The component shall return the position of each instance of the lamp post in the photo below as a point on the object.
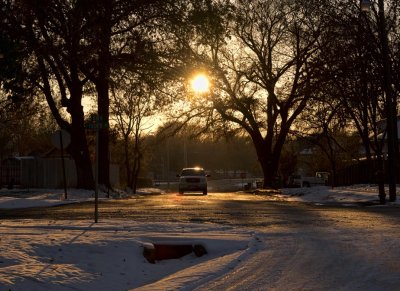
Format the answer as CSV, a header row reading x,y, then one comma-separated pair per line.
x,y
391,111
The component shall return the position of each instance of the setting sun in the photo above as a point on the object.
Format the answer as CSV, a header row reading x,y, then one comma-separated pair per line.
x,y
200,83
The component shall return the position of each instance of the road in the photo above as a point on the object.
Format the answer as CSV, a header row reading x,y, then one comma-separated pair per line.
x,y
248,210
299,246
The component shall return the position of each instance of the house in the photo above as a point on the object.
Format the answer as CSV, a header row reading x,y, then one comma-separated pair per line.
x,y
383,132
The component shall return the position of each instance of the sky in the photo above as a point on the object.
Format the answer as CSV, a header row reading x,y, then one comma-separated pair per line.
x,y
83,255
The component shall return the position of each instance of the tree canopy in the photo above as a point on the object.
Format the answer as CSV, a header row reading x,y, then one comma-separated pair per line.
x,y
276,68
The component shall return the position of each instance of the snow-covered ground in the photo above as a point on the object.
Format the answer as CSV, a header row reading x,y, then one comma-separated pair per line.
x,y
82,255
350,194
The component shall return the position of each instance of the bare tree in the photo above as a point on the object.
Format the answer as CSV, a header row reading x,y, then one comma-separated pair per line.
x,y
132,101
72,47
261,56
52,32
326,129
351,78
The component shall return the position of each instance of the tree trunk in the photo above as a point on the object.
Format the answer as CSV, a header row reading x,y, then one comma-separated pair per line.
x,y
78,149
127,162
381,179
136,171
82,163
102,88
269,154
103,112
269,164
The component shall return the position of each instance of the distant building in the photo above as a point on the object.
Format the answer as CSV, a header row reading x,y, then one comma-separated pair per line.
x,y
383,132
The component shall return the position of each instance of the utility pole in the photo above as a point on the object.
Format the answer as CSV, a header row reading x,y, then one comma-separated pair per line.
x,y
391,111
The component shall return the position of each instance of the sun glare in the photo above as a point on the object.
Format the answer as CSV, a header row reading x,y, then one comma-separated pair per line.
x,y
200,83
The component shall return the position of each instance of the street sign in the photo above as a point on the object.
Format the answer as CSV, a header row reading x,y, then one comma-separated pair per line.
x,y
96,122
61,139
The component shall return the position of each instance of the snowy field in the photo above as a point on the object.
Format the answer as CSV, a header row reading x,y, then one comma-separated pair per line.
x,y
82,255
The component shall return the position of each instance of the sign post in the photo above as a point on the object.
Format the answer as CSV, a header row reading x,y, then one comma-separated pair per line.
x,y
96,123
61,140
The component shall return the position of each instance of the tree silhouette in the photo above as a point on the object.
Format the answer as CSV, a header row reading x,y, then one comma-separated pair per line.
x,y
261,58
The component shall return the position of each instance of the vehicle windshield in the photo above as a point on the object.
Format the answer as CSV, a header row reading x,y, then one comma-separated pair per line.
x,y
193,172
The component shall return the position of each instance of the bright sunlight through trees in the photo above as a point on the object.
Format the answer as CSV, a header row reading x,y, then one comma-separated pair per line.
x,y
200,83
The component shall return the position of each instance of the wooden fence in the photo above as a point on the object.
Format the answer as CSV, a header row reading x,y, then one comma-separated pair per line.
x,y
364,172
32,172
